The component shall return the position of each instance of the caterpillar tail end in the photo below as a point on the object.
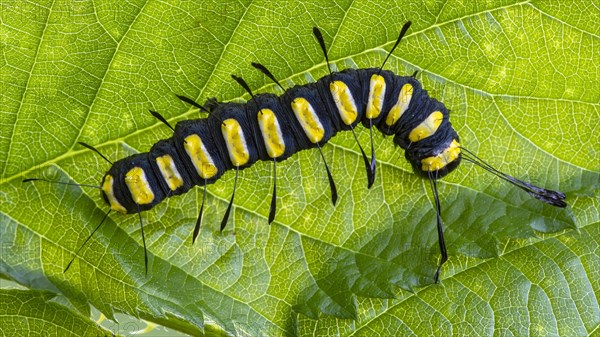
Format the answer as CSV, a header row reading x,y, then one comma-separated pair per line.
x,y
554,198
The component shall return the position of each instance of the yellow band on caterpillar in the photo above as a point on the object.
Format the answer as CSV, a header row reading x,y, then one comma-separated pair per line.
x,y
427,128
169,172
203,162
271,133
308,118
236,143
138,185
107,188
401,105
344,101
376,96
446,157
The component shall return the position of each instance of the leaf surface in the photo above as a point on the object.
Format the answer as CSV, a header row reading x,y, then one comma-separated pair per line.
x,y
32,313
521,81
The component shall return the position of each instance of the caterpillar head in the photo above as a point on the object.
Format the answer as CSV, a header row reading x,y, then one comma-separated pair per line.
x,y
437,161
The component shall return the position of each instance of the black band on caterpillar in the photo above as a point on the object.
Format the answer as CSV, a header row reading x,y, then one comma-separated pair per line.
x,y
273,128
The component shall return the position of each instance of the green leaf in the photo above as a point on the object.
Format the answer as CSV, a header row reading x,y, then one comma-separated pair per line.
x,y
32,313
521,81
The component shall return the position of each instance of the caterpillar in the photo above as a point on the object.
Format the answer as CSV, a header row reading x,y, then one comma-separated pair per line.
x,y
268,127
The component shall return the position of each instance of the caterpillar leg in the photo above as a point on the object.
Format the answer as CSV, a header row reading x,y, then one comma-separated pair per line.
x,y
373,166
330,177
273,207
440,229
369,166
226,217
199,220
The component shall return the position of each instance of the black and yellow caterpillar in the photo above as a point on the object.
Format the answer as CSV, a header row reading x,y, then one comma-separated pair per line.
x,y
273,128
